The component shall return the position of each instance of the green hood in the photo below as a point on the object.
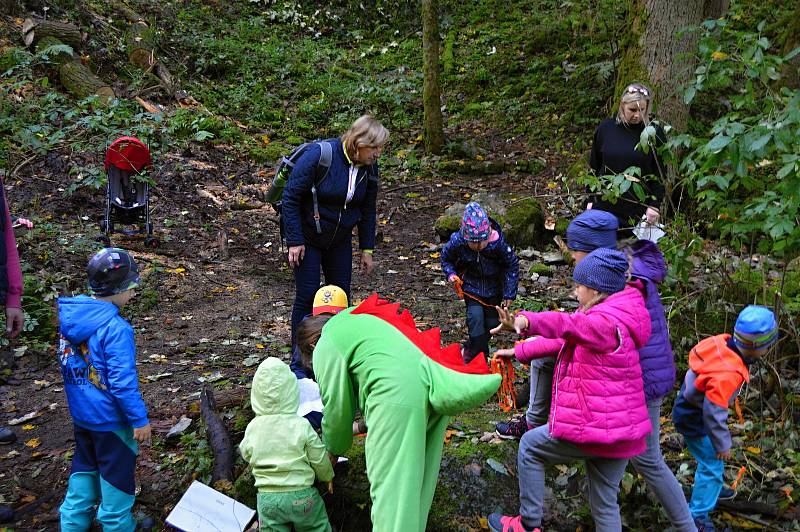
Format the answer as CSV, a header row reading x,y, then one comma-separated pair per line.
x,y
274,389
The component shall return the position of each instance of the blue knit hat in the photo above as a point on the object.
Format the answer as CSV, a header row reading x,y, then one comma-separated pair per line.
x,y
112,271
605,270
475,226
592,229
756,328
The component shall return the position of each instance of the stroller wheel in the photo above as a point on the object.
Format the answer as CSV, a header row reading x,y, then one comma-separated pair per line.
x,y
152,242
103,239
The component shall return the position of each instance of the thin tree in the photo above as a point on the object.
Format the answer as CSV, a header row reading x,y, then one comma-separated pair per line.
x,y
433,131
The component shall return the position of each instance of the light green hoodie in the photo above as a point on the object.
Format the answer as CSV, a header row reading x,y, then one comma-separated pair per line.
x,y
282,448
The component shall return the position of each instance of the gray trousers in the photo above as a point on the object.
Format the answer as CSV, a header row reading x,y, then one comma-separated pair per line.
x,y
541,391
537,450
658,476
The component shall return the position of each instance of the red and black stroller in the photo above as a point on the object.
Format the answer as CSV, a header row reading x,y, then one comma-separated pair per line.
x,y
128,198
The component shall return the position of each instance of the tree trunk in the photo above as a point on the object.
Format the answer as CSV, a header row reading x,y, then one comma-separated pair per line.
x,y
431,99
10,8
141,46
715,8
74,75
660,54
34,30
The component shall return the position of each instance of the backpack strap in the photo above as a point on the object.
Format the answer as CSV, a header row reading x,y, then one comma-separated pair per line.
x,y
323,167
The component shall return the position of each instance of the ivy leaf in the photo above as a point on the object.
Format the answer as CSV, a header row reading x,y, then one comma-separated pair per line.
x,y
786,169
688,96
718,143
760,142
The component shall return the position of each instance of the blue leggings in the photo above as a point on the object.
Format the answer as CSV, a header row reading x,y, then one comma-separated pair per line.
x,y
707,478
337,265
103,470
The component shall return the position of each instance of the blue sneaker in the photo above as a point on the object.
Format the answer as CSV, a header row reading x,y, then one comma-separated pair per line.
x,y
7,436
704,524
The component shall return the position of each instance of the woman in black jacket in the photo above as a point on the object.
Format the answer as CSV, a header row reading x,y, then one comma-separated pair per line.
x,y
320,212
614,151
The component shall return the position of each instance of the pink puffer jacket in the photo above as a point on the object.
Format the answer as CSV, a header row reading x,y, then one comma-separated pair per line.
x,y
598,395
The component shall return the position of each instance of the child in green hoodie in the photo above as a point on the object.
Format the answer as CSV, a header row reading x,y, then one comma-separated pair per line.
x,y
285,454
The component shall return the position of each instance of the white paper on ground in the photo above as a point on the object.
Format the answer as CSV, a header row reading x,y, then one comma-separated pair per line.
x,y
204,509
310,400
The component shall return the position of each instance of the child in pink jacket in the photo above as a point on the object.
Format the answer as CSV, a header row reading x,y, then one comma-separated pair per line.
x,y
598,411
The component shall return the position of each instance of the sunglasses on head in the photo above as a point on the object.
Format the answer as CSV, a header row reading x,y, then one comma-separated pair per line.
x,y
631,89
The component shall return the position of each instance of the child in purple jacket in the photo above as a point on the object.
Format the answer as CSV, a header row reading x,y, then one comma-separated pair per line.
x,y
598,411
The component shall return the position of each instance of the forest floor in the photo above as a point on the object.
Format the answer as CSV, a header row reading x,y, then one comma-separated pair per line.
x,y
521,83
204,315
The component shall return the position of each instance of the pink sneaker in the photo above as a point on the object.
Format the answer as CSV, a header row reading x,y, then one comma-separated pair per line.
x,y
506,523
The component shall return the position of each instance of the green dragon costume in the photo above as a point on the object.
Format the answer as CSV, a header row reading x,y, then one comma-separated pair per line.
x,y
374,359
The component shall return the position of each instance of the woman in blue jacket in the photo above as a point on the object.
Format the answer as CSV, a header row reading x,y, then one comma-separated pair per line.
x,y
319,213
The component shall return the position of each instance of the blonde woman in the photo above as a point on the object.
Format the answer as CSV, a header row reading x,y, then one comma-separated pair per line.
x,y
319,212
614,150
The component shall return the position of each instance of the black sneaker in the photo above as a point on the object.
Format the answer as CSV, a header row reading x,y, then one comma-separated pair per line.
x,y
512,430
7,436
726,494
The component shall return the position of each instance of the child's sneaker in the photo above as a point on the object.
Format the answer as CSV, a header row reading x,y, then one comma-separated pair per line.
x,y
506,523
726,494
7,436
704,524
514,429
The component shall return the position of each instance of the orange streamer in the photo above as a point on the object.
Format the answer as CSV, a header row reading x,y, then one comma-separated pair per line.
x,y
458,284
507,397
739,476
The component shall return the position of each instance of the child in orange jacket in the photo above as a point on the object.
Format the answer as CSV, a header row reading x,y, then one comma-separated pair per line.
x,y
718,366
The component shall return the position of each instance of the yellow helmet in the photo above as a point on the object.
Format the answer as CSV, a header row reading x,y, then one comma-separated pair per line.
x,y
329,299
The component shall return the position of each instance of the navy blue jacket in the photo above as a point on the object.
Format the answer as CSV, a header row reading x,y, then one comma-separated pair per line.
x,y
103,395
336,219
491,273
656,358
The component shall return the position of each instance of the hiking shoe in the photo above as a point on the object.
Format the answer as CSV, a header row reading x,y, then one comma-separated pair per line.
x,y
506,523
7,436
145,524
726,494
512,430
704,524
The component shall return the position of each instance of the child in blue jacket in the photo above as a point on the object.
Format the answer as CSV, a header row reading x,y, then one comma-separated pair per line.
x,y
479,257
98,362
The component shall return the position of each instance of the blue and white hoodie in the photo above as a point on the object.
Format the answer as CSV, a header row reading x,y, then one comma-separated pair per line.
x,y
97,355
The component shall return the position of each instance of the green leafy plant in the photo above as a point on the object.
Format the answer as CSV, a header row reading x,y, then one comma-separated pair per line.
x,y
745,165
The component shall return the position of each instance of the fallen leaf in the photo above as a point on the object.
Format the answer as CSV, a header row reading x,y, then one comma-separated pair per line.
x,y
33,443
497,466
448,435
28,427
484,523
158,376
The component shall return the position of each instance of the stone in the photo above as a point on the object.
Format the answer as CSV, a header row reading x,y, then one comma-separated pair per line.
x,y
179,428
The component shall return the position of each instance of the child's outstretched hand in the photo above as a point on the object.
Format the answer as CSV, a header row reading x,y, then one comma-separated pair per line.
x,y
509,323
24,222
504,352
142,434
724,455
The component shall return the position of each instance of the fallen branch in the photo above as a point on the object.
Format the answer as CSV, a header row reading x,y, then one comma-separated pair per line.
x,y
756,507
218,438
203,193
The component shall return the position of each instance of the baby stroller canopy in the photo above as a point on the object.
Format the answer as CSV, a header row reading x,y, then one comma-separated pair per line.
x,y
128,153
127,194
